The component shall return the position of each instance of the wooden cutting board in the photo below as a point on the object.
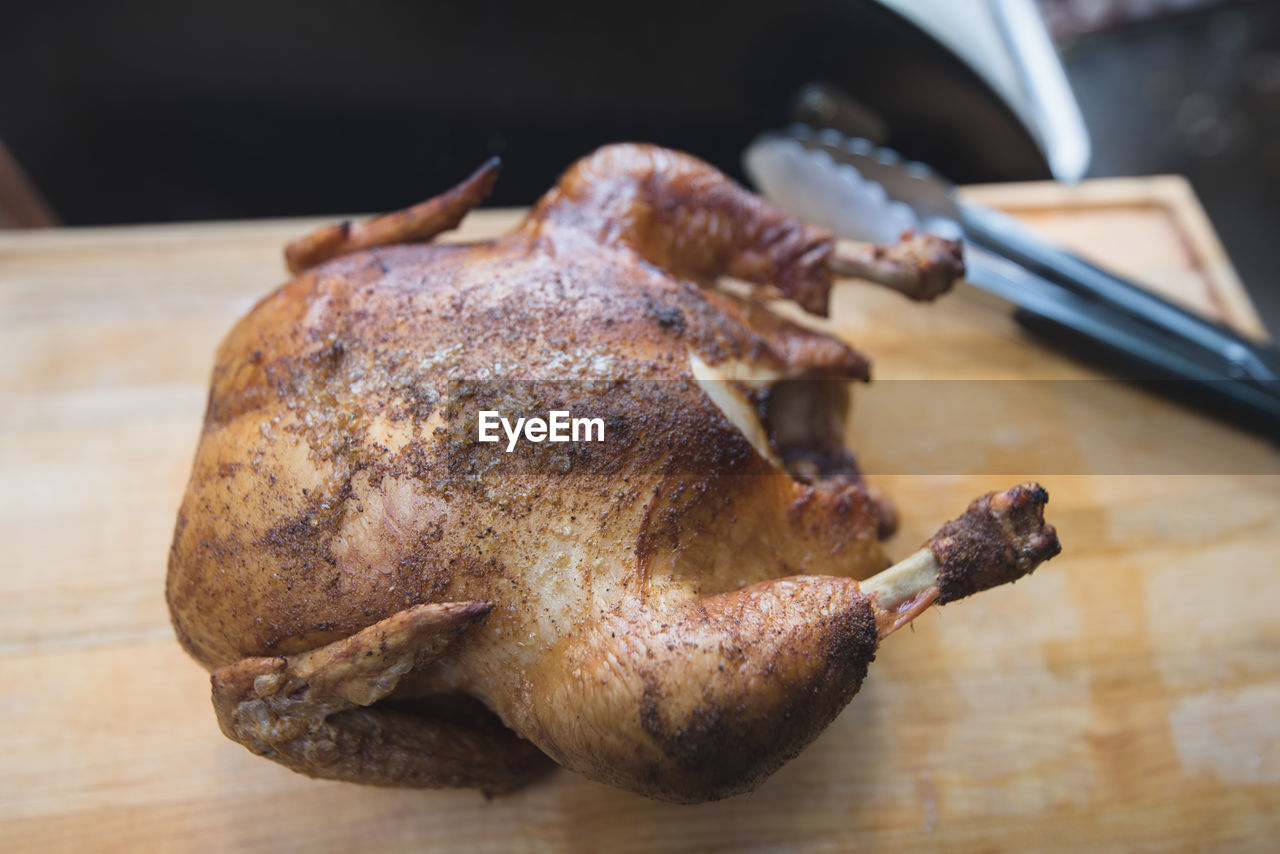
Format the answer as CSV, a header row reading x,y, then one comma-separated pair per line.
x,y
1126,696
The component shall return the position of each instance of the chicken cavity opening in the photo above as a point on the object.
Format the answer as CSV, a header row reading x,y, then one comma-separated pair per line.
x,y
797,422
805,421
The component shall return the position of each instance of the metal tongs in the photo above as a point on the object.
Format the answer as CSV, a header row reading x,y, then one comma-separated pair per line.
x,y
863,192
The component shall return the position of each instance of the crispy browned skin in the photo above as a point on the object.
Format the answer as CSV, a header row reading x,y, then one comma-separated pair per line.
x,y
669,611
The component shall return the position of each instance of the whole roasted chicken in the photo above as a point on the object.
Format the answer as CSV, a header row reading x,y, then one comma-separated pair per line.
x,y
673,609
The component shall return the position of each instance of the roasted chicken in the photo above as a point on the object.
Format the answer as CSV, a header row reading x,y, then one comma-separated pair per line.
x,y
675,610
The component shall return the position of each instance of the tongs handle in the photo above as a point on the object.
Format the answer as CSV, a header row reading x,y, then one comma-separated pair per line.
x,y
1130,347
1243,404
1239,357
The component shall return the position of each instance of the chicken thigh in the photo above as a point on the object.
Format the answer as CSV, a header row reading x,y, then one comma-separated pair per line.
x,y
674,609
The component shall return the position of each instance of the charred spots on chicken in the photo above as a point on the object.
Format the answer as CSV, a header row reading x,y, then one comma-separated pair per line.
x,y
712,746
325,361
668,317
302,540
698,738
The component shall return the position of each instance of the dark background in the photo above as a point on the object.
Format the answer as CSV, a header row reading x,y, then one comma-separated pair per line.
x,y
1196,94
146,111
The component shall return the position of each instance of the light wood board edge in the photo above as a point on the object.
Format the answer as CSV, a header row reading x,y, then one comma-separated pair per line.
x,y
1173,194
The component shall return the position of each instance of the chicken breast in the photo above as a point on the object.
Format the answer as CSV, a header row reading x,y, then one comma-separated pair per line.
x,y
672,607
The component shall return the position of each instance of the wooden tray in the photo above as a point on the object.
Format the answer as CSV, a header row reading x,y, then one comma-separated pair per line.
x,y
1126,696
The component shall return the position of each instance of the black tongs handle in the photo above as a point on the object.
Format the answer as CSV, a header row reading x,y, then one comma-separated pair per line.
x,y
1126,345
1239,357
1139,355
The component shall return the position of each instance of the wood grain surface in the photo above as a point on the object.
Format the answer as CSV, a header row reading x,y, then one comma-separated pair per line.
x,y
1125,697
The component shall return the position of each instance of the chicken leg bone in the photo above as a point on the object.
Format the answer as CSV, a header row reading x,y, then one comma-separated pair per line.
x,y
999,539
920,267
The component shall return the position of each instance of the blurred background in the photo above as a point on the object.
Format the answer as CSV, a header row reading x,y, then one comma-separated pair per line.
x,y
148,111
